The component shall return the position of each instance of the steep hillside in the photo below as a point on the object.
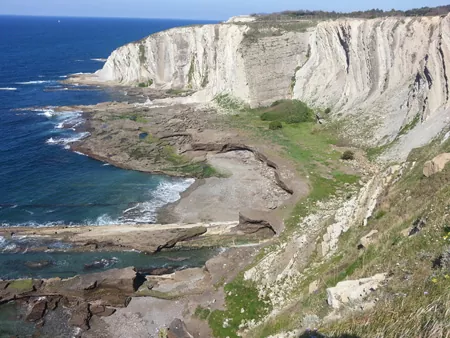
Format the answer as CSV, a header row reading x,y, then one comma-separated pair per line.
x,y
386,76
370,235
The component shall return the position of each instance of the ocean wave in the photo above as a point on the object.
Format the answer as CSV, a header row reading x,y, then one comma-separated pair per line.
x,y
8,88
99,60
34,82
165,193
67,140
63,77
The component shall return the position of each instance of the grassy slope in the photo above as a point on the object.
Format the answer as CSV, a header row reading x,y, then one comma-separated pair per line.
x,y
309,147
416,301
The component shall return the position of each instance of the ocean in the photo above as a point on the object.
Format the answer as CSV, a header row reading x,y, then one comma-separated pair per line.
x,y
42,182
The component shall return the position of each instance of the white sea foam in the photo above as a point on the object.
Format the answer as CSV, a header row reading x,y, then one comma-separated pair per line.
x,y
165,193
99,60
77,152
34,82
67,140
2,241
8,88
63,77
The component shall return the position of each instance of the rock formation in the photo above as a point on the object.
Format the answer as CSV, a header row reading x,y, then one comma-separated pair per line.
x,y
390,74
436,165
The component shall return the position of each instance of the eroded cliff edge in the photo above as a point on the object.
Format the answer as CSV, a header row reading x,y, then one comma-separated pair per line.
x,y
387,76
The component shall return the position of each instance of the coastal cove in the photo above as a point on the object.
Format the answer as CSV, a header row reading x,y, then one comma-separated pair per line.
x,y
42,182
269,176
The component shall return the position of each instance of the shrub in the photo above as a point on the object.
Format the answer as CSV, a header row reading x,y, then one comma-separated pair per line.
x,y
327,111
288,111
348,155
146,84
274,125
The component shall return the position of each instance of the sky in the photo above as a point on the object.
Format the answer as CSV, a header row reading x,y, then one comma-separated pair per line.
x,y
193,9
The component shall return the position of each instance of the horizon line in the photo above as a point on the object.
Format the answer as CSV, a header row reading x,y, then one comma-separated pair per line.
x,y
107,17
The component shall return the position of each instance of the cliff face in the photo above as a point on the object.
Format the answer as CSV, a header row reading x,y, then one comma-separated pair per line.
x,y
390,70
387,74
212,59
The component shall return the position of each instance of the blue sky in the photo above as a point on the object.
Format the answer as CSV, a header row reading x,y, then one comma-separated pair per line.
x,y
191,9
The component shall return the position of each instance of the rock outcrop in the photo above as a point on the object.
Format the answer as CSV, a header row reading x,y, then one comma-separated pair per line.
x,y
212,59
436,165
390,74
353,293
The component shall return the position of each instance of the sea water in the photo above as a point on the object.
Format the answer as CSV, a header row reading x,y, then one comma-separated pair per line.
x,y
42,182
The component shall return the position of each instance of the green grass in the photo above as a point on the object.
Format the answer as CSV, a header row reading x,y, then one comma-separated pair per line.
x,y
202,313
242,304
21,285
288,111
145,84
230,103
134,117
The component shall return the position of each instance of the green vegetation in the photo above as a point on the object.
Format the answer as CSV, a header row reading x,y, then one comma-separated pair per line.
x,y
191,72
369,14
137,117
21,285
145,84
227,102
142,56
274,125
410,125
242,304
288,111
259,29
202,313
348,155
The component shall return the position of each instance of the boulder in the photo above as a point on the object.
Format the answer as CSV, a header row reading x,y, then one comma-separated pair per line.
x,y
313,287
80,316
353,293
252,223
112,287
368,239
177,329
37,310
38,264
436,165
101,311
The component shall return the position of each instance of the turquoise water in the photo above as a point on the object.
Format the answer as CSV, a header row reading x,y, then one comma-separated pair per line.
x,y
64,264
41,181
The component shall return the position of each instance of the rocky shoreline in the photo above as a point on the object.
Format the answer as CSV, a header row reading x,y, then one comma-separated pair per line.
x,y
238,196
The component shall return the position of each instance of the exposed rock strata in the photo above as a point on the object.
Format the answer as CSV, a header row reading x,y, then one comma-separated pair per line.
x,y
389,75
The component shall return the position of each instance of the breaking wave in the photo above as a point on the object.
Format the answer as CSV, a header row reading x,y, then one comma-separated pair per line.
x,y
8,88
67,140
166,192
33,82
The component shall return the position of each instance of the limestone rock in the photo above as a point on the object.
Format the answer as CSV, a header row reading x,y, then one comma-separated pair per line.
x,y
368,239
37,310
436,165
101,311
313,287
80,317
352,293
177,329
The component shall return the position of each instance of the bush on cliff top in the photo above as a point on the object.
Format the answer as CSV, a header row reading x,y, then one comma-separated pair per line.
x,y
274,125
288,111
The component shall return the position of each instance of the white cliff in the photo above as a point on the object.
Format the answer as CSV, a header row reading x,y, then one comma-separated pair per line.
x,y
386,72
388,76
212,59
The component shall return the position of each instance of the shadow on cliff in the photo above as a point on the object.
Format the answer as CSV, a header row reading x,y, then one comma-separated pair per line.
x,y
315,334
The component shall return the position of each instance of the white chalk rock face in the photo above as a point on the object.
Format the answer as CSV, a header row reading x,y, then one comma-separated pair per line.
x,y
212,59
389,76
389,71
